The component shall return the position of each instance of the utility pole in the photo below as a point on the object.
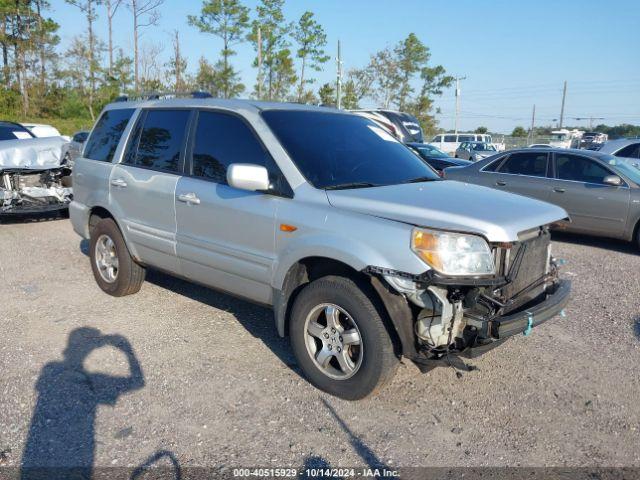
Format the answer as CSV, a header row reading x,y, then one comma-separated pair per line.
x,y
533,121
564,95
259,63
339,78
457,101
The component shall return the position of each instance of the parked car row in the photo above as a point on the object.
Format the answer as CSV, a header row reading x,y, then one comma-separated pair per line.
x,y
340,222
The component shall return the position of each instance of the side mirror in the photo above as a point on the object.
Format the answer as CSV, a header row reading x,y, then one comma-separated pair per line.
x,y
613,180
246,176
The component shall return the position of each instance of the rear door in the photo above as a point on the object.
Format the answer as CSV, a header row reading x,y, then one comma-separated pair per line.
x,y
593,206
143,185
92,171
524,173
226,236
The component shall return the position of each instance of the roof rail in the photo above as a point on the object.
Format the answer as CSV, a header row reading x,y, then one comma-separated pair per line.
x,y
162,95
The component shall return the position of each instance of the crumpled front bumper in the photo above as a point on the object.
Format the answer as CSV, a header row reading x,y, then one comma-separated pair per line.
x,y
525,319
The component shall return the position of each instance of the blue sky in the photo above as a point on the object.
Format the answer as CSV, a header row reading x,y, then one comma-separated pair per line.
x,y
513,53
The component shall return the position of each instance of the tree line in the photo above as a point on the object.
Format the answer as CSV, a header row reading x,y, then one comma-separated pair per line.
x,y
43,80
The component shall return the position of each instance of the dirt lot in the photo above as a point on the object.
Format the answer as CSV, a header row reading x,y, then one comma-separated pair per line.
x,y
218,387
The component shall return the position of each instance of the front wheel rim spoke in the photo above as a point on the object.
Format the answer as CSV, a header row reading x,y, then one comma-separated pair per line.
x,y
346,364
315,329
323,357
333,317
351,337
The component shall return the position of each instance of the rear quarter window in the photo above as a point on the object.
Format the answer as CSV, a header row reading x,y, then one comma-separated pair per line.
x,y
106,134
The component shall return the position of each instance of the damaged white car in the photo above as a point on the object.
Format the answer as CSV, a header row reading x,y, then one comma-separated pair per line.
x,y
33,178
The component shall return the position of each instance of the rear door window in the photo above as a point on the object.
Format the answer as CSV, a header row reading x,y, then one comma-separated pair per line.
x,y
466,138
450,138
580,169
630,151
106,134
159,140
533,164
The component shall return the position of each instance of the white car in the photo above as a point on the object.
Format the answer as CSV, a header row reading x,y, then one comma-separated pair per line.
x,y
449,142
41,130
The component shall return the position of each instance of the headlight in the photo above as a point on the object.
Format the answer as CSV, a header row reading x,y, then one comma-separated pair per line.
x,y
453,253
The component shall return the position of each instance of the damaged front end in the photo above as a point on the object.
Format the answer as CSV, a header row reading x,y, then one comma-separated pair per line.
x,y
33,176
466,316
29,191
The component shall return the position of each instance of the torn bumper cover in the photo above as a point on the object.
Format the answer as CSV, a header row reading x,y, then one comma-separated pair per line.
x,y
468,316
32,178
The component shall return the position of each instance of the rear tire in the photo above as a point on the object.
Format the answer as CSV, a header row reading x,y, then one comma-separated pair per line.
x,y
115,271
352,360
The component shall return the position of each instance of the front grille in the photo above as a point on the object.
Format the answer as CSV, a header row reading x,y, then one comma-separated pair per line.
x,y
528,263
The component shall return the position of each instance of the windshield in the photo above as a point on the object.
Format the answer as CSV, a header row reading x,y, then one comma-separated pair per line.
x,y
628,167
335,150
559,136
430,151
483,147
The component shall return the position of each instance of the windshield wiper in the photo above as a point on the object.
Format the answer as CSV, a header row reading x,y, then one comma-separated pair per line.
x,y
421,179
345,186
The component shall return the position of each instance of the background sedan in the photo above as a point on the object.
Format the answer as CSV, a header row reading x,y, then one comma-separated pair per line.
x,y
475,151
623,147
600,192
436,158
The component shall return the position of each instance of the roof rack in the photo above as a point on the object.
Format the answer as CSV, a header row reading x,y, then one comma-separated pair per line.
x,y
162,96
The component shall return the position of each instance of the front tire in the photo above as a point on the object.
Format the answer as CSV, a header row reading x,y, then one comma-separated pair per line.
x,y
340,340
115,271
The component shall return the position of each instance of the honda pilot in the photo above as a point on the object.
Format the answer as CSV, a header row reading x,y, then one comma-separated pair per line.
x,y
364,254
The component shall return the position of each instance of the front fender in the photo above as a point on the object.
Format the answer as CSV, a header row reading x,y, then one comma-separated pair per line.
x,y
354,253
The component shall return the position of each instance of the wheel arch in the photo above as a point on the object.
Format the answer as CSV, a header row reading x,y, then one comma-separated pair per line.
x,y
394,309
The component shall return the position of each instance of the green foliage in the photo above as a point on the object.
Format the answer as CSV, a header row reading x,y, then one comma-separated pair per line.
x,y
481,130
327,95
412,55
274,78
311,40
229,20
519,132
619,131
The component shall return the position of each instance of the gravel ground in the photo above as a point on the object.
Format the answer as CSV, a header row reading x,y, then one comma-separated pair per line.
x,y
218,387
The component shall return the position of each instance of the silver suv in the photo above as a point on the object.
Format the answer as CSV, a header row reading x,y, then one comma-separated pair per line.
x,y
364,253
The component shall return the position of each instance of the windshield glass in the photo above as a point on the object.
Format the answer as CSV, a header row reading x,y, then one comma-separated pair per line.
x,y
335,150
430,151
628,167
559,136
483,147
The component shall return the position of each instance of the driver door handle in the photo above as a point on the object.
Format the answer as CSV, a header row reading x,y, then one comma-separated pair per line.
x,y
500,183
559,190
189,198
118,182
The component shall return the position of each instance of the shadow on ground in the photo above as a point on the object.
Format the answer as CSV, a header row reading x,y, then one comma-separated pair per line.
x,y
62,438
313,463
597,242
33,218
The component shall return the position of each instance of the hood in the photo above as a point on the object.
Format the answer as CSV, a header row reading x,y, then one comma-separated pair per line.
x,y
31,154
448,205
